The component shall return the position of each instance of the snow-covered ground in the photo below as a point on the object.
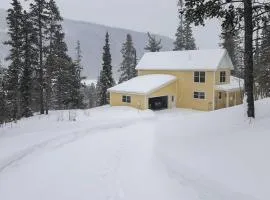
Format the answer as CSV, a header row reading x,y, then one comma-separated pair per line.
x,y
122,153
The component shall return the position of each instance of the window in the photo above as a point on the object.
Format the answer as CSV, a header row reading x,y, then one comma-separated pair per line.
x,y
199,77
126,99
172,98
199,95
220,95
223,77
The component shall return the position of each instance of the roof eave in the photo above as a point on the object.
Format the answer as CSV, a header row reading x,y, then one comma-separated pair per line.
x,y
143,93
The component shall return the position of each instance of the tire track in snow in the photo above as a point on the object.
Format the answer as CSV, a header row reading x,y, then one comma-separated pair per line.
x,y
204,188
62,140
111,174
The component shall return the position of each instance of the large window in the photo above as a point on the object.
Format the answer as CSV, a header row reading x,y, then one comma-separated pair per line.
x,y
126,99
199,77
223,77
199,95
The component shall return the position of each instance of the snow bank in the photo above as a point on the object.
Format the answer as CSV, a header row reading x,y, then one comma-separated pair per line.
x,y
221,154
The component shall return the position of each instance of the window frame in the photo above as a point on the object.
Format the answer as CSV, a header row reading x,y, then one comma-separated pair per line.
x,y
219,95
199,95
222,77
126,99
199,76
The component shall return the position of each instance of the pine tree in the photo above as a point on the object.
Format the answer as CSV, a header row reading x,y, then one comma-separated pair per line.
x,y
3,106
232,43
263,77
184,35
3,101
63,69
188,36
15,24
127,68
179,44
29,61
77,97
40,20
105,80
153,45
52,31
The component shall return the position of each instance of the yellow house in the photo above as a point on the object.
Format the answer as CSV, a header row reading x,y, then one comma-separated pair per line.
x,y
196,79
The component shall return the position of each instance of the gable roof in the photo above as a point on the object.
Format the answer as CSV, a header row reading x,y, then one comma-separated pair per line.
x,y
208,60
143,84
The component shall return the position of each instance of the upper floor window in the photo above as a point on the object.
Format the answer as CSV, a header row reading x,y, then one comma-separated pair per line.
x,y
126,99
199,77
223,77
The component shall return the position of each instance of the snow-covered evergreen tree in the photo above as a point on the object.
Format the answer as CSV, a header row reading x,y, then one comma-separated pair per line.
x,y
153,45
63,69
52,32
105,80
3,100
3,106
231,41
188,36
128,64
29,57
40,20
263,76
179,43
15,23
184,35
77,97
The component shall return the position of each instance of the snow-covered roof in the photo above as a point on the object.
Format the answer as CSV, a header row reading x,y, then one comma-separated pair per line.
x,y
208,60
235,84
143,84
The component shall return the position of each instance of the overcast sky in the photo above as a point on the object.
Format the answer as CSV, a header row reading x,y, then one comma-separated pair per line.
x,y
158,16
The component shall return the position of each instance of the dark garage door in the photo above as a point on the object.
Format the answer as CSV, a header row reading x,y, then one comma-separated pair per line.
x,y
158,103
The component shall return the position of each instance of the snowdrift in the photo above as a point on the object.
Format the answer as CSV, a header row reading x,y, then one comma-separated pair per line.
x,y
219,155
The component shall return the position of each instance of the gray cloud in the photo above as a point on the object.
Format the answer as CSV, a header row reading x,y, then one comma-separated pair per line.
x,y
158,16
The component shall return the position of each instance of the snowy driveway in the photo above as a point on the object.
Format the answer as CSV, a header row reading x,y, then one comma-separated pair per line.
x,y
106,154
121,153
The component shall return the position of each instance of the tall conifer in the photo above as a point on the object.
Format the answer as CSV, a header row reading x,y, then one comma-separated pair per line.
x,y
106,78
15,24
29,57
128,64
40,19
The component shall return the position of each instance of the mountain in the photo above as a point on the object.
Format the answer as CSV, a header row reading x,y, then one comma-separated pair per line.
x,y
92,38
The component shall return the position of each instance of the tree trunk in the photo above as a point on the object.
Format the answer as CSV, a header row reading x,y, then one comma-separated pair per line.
x,y
249,78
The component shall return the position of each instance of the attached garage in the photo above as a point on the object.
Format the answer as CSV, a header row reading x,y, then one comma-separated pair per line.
x,y
155,91
158,103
